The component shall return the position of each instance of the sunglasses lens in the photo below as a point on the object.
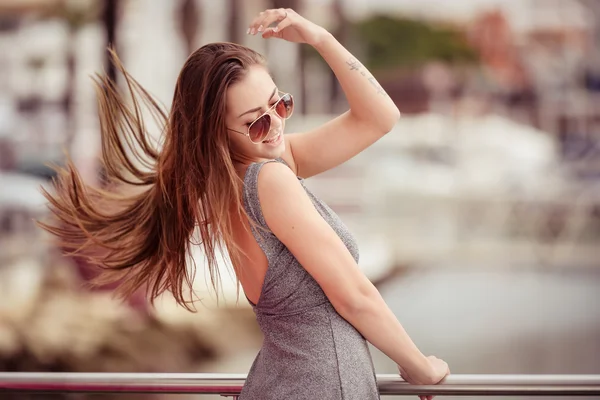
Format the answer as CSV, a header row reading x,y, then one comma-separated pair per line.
x,y
285,106
260,129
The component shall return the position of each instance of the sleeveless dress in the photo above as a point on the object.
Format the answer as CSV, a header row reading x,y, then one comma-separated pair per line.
x,y
309,351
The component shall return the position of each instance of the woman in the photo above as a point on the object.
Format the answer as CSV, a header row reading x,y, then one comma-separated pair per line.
x,y
226,169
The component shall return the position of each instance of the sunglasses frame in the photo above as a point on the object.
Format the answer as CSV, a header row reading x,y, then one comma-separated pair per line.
x,y
247,133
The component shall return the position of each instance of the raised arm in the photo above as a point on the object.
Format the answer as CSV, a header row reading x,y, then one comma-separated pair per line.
x,y
371,115
291,216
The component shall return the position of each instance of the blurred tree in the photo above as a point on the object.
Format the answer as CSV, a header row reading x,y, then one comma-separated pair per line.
x,y
393,42
295,5
110,19
234,22
341,34
76,15
189,23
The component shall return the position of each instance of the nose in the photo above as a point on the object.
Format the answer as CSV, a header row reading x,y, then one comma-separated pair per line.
x,y
276,119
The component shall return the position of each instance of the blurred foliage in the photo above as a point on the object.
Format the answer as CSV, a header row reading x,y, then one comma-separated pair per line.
x,y
76,13
394,42
383,43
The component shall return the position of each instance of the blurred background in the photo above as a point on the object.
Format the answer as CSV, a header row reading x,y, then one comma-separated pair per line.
x,y
478,216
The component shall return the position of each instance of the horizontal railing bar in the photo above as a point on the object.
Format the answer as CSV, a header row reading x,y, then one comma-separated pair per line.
x,y
231,384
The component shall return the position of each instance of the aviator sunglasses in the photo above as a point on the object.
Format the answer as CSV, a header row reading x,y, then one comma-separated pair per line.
x,y
259,129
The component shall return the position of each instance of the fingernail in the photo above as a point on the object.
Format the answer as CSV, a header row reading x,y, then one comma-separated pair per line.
x,y
275,29
248,31
260,28
252,31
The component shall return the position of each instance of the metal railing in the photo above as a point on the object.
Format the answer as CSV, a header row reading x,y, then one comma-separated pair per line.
x,y
231,384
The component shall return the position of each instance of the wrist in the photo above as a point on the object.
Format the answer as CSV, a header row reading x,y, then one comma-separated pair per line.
x,y
322,38
421,370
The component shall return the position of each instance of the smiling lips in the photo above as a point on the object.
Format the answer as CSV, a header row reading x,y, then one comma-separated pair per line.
x,y
273,140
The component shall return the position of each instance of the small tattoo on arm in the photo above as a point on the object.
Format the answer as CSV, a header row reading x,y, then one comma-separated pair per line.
x,y
378,87
354,64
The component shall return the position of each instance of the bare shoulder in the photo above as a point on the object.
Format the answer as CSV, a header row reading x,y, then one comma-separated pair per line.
x,y
275,173
293,219
281,194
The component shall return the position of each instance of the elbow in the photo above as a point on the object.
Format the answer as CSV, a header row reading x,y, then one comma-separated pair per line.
x,y
382,121
386,121
392,120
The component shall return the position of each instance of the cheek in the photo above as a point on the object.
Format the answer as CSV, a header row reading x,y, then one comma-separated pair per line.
x,y
239,143
235,141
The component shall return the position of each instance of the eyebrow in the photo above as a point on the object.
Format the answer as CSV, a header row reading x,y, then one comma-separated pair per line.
x,y
258,108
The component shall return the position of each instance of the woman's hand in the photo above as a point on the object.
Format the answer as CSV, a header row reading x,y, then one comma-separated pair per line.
x,y
439,369
289,26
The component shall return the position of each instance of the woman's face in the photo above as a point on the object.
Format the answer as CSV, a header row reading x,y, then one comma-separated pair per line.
x,y
246,101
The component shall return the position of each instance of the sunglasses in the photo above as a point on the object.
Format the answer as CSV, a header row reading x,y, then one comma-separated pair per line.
x,y
259,129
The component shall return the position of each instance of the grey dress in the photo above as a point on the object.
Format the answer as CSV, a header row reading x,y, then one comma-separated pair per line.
x,y
309,351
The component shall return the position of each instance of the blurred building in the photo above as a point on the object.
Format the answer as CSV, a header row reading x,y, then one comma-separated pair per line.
x,y
489,182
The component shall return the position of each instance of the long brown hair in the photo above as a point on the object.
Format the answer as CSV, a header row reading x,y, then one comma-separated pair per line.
x,y
143,238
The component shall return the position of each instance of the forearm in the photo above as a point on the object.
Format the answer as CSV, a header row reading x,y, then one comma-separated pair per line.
x,y
367,99
376,322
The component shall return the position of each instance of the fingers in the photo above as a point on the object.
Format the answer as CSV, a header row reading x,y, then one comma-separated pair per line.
x,y
282,25
403,373
266,18
276,31
269,33
255,23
